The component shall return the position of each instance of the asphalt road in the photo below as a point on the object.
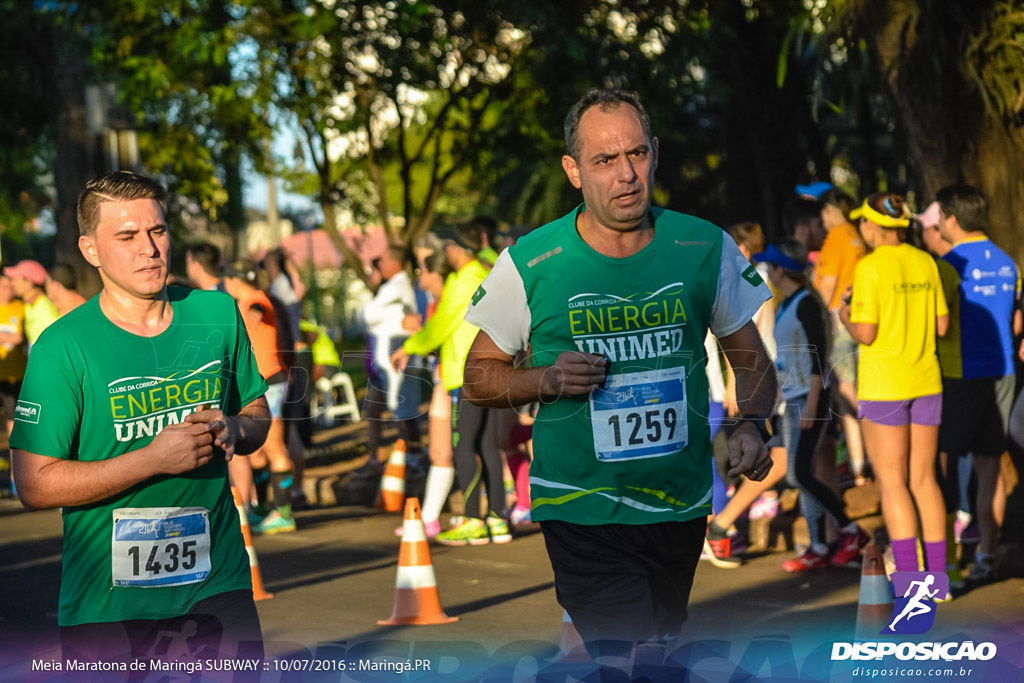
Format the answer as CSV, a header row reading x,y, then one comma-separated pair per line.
x,y
335,577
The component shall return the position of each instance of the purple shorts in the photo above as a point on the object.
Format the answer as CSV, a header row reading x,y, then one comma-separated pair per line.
x,y
923,410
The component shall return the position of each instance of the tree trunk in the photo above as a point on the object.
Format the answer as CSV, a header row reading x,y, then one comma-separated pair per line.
x,y
76,158
995,164
352,259
949,136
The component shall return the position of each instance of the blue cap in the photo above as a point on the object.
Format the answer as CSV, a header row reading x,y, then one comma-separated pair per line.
x,y
814,189
773,255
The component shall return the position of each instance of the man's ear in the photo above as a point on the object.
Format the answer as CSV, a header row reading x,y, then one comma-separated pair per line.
x,y
654,153
572,170
87,245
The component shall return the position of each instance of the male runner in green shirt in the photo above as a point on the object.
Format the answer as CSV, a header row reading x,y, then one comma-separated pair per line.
x,y
131,407
614,301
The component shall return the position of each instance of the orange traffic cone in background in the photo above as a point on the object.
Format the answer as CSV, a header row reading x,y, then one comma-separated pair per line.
x,y
258,593
392,484
874,607
416,598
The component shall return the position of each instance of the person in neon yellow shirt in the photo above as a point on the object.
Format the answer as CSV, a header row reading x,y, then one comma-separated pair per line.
x,y
28,278
475,429
894,311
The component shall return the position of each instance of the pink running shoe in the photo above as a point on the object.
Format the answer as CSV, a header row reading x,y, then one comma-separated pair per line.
x,y
764,508
431,529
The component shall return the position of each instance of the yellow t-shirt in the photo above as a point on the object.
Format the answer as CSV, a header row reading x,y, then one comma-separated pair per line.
x,y
12,356
842,250
898,288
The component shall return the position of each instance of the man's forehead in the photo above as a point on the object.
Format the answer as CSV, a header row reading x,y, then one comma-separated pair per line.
x,y
599,123
119,212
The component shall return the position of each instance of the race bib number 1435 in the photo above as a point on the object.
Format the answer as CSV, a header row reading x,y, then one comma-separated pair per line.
x,y
159,547
640,415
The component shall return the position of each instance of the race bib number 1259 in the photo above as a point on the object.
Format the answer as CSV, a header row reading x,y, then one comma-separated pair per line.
x,y
640,415
159,547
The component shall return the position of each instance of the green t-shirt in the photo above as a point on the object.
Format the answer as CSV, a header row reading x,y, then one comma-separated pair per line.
x,y
637,450
94,391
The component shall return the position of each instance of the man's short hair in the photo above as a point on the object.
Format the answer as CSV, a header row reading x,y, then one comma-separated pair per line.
x,y
400,253
438,263
65,276
467,236
839,199
799,211
243,269
487,225
607,100
748,233
967,203
115,187
207,256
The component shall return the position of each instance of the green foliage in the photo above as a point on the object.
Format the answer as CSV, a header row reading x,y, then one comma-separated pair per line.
x,y
175,66
414,113
28,124
994,60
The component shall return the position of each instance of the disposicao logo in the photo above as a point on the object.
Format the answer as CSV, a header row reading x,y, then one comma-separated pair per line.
x,y
913,610
913,613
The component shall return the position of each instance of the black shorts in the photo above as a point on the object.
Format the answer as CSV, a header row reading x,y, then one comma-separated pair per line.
x,y
224,626
9,397
625,582
975,415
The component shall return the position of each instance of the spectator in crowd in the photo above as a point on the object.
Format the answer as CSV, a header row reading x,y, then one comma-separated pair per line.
x,y
271,463
434,275
389,387
474,431
961,524
842,250
802,336
28,279
978,382
13,358
62,288
895,310
203,266
286,286
801,220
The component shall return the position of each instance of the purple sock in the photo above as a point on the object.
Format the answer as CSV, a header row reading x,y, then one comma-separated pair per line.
x,y
904,552
935,555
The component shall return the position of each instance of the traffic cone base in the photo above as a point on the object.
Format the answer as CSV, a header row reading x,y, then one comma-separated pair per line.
x,y
392,484
874,605
416,599
258,591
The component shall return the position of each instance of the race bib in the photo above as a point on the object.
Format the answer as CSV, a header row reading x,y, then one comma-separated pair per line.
x,y
160,547
640,415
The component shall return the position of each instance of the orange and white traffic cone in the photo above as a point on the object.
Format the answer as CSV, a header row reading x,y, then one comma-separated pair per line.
x,y
874,606
392,484
416,598
258,592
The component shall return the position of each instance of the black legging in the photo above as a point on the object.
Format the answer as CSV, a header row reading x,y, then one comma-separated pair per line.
x,y
475,431
806,448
